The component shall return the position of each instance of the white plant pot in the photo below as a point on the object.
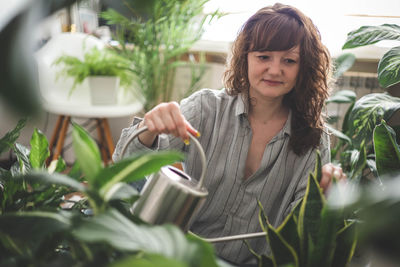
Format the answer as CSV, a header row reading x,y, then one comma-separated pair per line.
x,y
103,89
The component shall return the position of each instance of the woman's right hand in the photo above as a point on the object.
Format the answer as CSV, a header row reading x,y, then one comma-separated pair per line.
x,y
165,118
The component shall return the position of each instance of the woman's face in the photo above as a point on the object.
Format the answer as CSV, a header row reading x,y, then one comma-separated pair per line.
x,y
273,74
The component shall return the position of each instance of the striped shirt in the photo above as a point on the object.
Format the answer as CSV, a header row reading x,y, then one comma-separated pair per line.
x,y
231,207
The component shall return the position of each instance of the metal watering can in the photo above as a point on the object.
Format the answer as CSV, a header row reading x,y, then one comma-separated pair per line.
x,y
172,196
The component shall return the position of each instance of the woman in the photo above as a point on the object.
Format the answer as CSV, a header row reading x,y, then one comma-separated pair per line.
x,y
260,134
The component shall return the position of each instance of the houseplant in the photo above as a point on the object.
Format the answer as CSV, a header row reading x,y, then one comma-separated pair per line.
x,y
389,64
155,40
104,69
99,230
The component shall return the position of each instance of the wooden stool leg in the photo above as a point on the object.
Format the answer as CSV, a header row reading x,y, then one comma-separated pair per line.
x,y
54,137
61,138
109,140
102,142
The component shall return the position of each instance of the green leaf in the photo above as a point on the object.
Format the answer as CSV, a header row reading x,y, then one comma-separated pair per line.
x,y
87,153
116,230
342,96
345,245
389,68
33,226
134,168
266,261
318,167
343,63
338,134
53,179
8,140
22,154
387,151
358,162
367,112
39,149
121,191
58,165
282,252
346,122
310,212
367,35
148,260
323,251
288,231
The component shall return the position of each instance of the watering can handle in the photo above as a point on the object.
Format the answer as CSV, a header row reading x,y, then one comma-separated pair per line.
x,y
196,142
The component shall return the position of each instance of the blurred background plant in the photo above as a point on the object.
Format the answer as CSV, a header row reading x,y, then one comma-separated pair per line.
x,y
96,62
155,37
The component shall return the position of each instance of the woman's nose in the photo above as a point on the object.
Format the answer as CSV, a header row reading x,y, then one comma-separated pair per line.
x,y
274,67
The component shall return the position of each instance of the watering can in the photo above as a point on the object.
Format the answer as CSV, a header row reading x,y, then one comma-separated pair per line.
x,y
172,196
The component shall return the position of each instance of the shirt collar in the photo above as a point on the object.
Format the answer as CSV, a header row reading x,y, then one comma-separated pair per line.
x,y
241,105
242,108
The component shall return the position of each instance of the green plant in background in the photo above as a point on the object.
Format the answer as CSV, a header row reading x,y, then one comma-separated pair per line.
x,y
389,64
354,150
313,234
96,62
156,40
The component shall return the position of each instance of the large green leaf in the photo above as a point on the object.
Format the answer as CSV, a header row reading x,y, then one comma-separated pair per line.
x,y
53,179
387,151
343,63
35,225
342,96
345,245
87,152
289,232
149,260
323,251
115,229
367,35
39,149
8,140
282,252
309,218
134,168
389,68
367,112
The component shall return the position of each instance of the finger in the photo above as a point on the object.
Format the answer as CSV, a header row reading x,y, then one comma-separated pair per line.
x,y
180,123
327,171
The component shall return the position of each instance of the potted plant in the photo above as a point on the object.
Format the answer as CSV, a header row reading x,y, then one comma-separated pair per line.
x,y
104,69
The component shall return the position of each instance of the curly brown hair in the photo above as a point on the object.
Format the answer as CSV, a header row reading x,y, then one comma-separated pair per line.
x,y
279,28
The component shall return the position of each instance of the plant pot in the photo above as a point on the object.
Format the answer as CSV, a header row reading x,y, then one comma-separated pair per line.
x,y
103,89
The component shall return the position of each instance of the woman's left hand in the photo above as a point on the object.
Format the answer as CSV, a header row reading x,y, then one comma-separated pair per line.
x,y
328,172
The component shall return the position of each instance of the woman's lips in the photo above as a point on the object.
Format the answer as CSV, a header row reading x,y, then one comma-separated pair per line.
x,y
272,82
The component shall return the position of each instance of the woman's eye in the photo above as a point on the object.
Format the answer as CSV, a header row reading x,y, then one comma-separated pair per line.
x,y
263,57
290,61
